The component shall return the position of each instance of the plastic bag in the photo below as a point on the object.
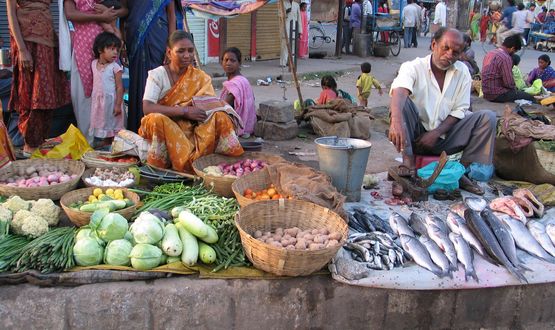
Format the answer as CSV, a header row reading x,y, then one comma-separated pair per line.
x,y
449,177
73,145
535,88
480,172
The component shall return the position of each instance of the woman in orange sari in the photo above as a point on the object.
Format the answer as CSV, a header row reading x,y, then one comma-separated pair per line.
x,y
183,118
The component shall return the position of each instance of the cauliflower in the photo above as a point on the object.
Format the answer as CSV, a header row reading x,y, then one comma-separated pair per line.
x,y
29,224
5,214
15,203
46,209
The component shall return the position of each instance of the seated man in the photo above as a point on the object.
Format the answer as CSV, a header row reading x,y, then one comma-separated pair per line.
x,y
429,109
498,84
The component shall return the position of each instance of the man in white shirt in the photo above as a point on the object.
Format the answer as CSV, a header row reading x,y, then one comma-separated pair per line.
x,y
293,14
366,12
519,21
440,14
430,100
411,18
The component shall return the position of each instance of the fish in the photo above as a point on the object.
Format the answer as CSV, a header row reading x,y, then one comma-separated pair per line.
x,y
458,225
436,254
458,208
439,233
416,222
400,225
509,206
359,250
524,239
504,237
475,203
490,243
525,206
419,254
465,256
360,222
537,207
550,230
537,229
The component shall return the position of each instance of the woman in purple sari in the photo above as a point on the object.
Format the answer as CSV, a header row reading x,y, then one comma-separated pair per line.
x,y
147,27
545,72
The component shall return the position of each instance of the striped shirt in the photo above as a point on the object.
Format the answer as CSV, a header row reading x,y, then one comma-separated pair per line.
x,y
497,74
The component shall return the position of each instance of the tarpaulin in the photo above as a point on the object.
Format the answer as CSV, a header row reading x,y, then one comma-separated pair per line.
x,y
223,8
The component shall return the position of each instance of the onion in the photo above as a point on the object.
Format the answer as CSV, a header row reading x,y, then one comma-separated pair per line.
x,y
52,178
64,178
73,176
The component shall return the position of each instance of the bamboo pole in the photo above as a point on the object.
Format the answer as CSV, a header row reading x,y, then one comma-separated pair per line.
x,y
290,56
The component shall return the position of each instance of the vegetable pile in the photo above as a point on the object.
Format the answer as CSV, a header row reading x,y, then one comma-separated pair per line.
x,y
113,177
297,239
38,176
264,194
29,218
112,199
236,169
123,159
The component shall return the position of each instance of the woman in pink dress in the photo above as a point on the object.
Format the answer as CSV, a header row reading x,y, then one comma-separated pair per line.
x,y
303,47
237,91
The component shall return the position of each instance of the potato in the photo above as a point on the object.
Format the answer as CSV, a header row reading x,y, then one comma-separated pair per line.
x,y
276,244
268,233
287,236
279,231
335,236
332,243
293,240
314,231
301,244
257,234
309,237
284,242
318,239
290,247
292,231
315,246
323,231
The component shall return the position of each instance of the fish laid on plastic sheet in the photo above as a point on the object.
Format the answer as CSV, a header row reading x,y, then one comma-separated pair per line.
x,y
376,250
524,239
438,231
420,254
537,229
508,206
458,225
465,255
400,225
436,254
416,222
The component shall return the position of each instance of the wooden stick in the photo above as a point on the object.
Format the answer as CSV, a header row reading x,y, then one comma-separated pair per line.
x,y
290,57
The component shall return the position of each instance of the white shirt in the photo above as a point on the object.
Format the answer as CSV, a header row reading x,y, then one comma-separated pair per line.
x,y
157,84
411,15
434,105
294,15
440,14
519,20
366,7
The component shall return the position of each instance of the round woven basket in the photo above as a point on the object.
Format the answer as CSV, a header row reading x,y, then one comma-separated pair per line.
x,y
255,181
91,160
221,186
53,192
269,215
80,218
90,171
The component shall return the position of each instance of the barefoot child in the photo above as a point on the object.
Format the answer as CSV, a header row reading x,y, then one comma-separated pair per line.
x,y
107,93
365,82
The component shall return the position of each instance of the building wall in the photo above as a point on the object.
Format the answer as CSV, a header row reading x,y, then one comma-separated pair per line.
x,y
324,10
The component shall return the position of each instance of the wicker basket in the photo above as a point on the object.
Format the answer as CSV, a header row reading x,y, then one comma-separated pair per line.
x,y
547,160
80,218
269,215
91,160
90,171
256,181
53,192
222,185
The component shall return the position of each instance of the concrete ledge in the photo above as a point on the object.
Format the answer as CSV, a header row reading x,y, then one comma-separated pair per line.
x,y
315,302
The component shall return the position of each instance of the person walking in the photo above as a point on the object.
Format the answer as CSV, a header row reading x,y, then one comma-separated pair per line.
x,y
440,14
292,14
410,18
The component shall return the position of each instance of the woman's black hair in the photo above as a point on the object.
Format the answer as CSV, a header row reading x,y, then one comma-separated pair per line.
x,y
328,81
302,4
178,35
233,50
103,41
516,59
545,58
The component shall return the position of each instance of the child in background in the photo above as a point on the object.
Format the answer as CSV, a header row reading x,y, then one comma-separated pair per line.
x,y
365,82
329,90
107,93
517,74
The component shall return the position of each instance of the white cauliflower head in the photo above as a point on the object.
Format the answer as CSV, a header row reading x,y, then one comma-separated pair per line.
x,y
27,223
46,209
5,214
16,203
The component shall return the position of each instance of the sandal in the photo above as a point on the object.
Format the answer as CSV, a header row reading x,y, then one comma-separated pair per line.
x,y
471,186
441,195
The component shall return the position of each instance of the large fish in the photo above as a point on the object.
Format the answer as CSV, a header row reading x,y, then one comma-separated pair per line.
x,y
504,237
439,233
524,239
476,203
400,225
537,229
416,222
458,225
465,256
419,254
489,242
436,254
508,206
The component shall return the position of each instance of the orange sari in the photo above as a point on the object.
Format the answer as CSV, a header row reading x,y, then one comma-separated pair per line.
x,y
178,142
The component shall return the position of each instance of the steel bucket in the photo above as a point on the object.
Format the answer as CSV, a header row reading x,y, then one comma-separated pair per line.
x,y
5,58
344,160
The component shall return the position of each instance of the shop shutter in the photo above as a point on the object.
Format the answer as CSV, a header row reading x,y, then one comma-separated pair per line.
x,y
267,32
197,27
5,29
239,35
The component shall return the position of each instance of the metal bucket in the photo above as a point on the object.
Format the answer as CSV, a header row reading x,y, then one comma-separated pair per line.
x,y
344,160
5,58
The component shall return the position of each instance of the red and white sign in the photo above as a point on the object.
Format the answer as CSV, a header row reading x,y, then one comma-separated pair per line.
x,y
213,38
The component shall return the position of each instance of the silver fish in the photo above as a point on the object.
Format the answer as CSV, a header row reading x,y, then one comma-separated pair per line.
x,y
465,256
419,254
476,203
524,239
458,225
537,229
400,225
437,222
489,242
359,250
416,222
436,254
437,233
503,235
550,230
